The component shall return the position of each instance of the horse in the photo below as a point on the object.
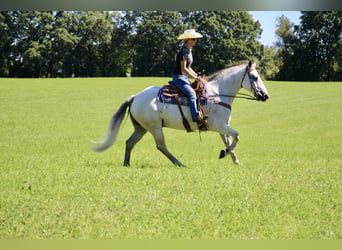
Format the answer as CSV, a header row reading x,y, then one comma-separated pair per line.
x,y
147,113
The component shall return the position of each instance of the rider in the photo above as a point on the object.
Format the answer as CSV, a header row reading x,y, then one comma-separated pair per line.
x,y
183,69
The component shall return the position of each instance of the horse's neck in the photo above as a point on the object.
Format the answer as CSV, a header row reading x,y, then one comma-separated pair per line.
x,y
227,84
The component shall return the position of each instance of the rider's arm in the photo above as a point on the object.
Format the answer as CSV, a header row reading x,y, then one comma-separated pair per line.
x,y
188,71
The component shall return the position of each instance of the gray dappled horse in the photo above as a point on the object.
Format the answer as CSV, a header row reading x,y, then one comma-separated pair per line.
x,y
149,114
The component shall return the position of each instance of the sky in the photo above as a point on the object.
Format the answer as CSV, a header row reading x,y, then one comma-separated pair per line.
x,y
268,23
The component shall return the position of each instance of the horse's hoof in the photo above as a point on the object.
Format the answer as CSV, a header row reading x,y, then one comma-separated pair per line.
x,y
222,154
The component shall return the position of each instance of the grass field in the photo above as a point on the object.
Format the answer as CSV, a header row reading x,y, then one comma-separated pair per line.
x,y
53,186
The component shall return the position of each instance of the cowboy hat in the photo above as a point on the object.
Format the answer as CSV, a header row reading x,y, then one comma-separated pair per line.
x,y
188,34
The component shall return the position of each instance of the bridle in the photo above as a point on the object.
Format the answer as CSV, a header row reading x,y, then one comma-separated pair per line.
x,y
243,95
251,81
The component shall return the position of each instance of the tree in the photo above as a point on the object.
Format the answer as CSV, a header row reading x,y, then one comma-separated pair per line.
x,y
64,41
7,34
315,48
270,63
121,49
321,33
285,33
285,36
36,42
155,42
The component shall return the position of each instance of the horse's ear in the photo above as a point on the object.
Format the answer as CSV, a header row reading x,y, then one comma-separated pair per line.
x,y
250,62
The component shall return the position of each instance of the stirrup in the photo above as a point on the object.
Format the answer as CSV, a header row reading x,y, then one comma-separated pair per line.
x,y
202,123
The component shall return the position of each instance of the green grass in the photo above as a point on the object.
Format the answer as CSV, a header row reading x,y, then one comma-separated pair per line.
x,y
53,186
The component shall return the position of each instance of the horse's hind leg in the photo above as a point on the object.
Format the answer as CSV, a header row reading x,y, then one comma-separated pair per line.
x,y
138,133
227,141
161,146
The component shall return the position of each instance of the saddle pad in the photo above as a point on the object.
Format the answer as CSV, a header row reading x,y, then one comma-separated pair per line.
x,y
171,100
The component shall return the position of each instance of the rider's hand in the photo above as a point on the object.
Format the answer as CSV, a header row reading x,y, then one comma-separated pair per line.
x,y
199,78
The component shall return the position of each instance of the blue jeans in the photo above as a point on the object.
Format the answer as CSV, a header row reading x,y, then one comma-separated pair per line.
x,y
183,84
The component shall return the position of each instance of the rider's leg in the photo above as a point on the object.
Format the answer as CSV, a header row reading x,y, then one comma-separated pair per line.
x,y
183,84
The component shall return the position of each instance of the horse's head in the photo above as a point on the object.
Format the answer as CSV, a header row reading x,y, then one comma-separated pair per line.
x,y
252,82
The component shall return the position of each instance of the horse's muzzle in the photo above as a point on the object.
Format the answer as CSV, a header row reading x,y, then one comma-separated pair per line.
x,y
260,96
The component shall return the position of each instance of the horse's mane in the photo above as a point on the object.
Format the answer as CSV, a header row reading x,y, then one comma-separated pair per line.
x,y
228,66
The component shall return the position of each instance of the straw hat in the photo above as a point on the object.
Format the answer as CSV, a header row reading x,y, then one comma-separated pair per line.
x,y
188,34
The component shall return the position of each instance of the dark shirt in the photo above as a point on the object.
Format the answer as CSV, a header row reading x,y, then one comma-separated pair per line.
x,y
184,54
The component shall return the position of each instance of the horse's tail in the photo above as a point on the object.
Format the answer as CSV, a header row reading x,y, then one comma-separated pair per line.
x,y
114,125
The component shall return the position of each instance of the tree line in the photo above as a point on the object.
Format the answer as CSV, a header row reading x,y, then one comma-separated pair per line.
x,y
144,43
311,51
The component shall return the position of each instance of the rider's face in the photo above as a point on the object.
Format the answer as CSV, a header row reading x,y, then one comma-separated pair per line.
x,y
191,42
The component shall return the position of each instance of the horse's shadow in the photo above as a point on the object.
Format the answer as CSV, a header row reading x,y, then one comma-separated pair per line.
x,y
138,165
146,165
110,164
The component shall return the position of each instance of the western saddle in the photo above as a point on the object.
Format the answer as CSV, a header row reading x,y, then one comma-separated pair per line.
x,y
199,87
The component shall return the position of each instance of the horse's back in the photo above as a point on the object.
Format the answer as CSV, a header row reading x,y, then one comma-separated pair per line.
x,y
145,97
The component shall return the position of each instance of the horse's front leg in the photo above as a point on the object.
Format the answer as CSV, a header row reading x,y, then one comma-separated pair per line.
x,y
225,130
227,141
230,149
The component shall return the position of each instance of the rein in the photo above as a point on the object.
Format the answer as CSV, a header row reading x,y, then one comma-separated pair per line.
x,y
238,95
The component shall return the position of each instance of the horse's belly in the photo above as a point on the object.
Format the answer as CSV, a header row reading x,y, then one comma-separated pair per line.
x,y
171,117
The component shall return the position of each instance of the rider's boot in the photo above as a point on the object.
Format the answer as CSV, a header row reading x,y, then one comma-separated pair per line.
x,y
202,122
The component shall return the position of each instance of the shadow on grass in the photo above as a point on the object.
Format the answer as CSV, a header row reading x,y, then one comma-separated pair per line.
x,y
147,165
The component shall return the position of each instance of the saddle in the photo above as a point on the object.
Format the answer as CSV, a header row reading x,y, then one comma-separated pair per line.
x,y
171,94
